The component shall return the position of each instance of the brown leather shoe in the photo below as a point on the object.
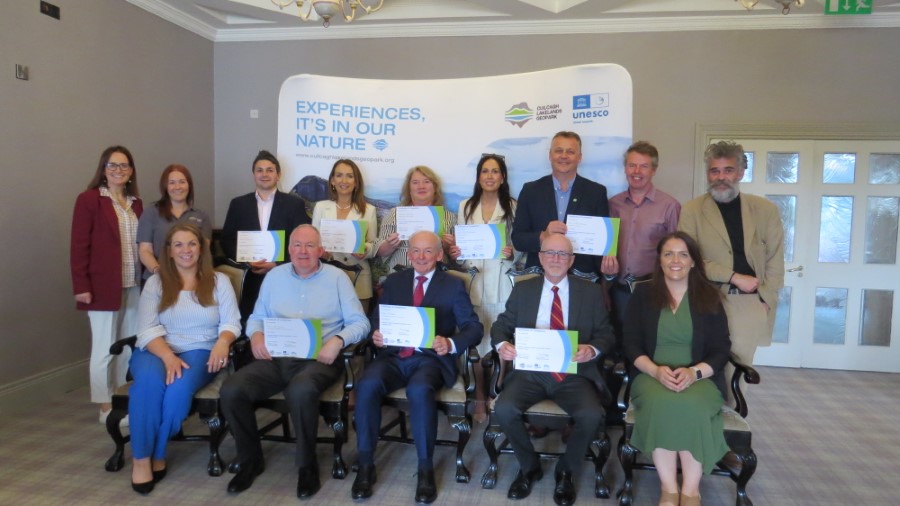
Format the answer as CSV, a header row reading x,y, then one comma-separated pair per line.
x,y
690,500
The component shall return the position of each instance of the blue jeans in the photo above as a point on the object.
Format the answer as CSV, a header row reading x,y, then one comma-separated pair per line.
x,y
155,409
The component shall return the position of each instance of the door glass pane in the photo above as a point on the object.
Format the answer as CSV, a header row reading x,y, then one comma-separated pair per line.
x,y
877,309
787,206
834,229
882,218
831,316
782,316
884,168
782,167
748,174
840,168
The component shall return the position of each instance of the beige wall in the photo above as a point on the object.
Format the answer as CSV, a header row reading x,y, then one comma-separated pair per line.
x,y
106,73
680,80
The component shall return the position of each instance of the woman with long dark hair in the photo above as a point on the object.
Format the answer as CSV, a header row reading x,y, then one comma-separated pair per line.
x,y
676,335
105,267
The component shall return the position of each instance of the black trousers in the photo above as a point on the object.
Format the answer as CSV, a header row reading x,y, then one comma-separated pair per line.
x,y
302,381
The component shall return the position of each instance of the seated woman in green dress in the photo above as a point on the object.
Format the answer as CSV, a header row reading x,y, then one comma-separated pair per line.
x,y
676,335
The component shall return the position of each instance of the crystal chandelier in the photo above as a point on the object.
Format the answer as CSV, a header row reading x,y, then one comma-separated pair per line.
x,y
785,4
327,9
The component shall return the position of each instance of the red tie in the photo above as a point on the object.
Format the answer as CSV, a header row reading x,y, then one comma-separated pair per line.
x,y
418,295
557,323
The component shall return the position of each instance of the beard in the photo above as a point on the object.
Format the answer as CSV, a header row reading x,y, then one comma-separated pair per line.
x,y
726,194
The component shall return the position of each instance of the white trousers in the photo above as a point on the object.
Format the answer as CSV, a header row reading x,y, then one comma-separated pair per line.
x,y
107,327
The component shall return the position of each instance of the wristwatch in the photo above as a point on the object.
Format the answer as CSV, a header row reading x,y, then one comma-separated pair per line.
x,y
697,372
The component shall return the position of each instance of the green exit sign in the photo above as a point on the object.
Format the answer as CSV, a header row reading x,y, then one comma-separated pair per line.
x,y
848,7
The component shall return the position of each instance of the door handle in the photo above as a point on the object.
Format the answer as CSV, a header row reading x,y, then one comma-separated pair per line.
x,y
799,268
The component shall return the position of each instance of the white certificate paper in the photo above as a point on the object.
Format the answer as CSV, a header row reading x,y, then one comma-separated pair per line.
x,y
411,219
293,337
481,242
265,245
593,235
407,325
546,350
343,236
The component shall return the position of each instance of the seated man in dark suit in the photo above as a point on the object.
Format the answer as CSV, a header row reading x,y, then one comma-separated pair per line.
x,y
422,371
263,209
562,302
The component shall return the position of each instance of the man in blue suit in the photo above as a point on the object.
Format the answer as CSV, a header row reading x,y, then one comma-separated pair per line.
x,y
423,371
267,208
545,203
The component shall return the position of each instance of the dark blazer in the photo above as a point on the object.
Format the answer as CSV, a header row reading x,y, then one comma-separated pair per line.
x,y
452,310
288,211
537,208
711,342
95,254
587,315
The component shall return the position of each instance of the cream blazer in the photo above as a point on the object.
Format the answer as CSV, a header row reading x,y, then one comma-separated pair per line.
x,y
327,210
491,285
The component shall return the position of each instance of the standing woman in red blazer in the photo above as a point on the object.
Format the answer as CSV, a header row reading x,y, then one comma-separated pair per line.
x,y
105,267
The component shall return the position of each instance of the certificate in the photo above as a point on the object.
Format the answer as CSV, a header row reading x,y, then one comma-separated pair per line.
x,y
407,325
593,235
343,236
411,219
293,337
480,242
266,245
546,350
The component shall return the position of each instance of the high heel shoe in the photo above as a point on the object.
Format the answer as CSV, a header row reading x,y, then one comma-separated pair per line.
x,y
143,488
159,475
690,500
668,498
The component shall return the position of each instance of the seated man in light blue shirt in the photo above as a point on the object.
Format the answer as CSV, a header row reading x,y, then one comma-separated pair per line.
x,y
305,289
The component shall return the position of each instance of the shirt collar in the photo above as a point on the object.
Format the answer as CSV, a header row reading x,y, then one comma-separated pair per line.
x,y
318,271
650,195
271,198
558,186
104,192
563,284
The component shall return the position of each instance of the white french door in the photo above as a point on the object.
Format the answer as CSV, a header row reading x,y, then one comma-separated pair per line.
x,y
839,201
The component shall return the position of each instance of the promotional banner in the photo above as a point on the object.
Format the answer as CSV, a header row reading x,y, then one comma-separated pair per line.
x,y
387,127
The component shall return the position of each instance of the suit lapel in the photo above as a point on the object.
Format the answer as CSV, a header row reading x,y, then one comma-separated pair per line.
x,y
434,291
575,197
749,225
574,307
713,217
531,302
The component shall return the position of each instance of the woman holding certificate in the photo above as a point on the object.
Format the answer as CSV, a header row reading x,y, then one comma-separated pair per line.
x,y
176,188
421,188
490,204
347,201
187,319
676,335
105,266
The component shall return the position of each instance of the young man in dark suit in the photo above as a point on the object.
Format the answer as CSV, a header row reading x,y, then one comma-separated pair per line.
x,y
266,208
545,203
422,371
553,301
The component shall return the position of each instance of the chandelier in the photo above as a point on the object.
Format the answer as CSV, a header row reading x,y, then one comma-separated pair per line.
x,y
327,9
785,4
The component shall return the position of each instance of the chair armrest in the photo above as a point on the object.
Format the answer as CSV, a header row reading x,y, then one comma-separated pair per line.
x,y
498,369
119,346
467,368
750,375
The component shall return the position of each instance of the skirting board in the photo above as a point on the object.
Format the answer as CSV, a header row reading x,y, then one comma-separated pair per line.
x,y
34,390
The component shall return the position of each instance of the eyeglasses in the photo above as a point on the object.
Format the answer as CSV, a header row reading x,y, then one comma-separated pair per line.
x,y
485,155
118,166
562,255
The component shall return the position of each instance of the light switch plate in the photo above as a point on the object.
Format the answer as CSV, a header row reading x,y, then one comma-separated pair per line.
x,y
21,72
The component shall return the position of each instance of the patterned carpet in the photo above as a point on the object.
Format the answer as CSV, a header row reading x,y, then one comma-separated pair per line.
x,y
822,438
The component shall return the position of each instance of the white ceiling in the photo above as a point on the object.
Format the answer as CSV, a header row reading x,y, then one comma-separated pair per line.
x,y
253,20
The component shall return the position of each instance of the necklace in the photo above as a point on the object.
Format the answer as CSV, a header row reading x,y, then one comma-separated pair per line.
x,y
343,208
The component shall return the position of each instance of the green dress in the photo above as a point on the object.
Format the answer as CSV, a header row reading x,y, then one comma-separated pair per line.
x,y
689,420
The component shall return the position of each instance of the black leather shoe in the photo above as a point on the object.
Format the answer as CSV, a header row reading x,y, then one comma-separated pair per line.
x,y
159,475
143,488
244,477
362,485
521,486
564,493
308,481
426,490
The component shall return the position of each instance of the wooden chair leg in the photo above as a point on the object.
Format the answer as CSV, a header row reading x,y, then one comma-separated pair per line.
x,y
491,433
338,467
117,460
601,488
218,429
464,426
748,467
627,456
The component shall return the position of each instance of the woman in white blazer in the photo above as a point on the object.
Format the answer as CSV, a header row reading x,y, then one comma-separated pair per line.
x,y
347,201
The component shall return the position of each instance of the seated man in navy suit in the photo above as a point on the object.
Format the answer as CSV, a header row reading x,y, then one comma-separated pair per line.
x,y
423,371
562,302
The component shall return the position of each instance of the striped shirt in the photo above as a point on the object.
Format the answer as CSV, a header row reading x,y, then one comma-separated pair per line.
x,y
399,256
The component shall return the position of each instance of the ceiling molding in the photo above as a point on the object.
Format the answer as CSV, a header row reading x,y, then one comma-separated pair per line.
x,y
480,28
